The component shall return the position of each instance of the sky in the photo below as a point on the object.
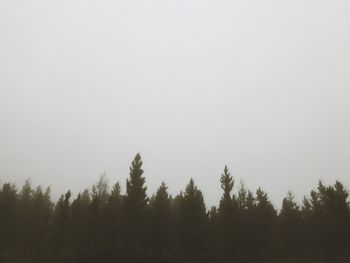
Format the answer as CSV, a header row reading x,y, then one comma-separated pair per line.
x,y
193,85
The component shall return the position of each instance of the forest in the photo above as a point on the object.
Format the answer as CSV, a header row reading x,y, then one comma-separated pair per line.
x,y
102,225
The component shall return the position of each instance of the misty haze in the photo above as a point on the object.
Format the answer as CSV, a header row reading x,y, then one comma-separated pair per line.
x,y
174,131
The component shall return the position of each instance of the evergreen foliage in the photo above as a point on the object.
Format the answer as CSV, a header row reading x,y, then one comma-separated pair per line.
x,y
103,225
136,206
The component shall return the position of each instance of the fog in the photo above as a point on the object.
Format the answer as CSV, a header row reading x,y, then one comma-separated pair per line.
x,y
262,86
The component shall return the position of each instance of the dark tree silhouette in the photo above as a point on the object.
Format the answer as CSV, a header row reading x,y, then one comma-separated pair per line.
x,y
113,218
59,226
99,197
227,217
289,228
8,203
136,211
161,225
193,222
100,225
78,236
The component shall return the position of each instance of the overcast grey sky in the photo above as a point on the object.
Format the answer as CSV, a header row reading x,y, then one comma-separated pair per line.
x,y
262,86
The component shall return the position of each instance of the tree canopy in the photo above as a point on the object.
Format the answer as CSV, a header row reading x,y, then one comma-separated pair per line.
x,y
105,224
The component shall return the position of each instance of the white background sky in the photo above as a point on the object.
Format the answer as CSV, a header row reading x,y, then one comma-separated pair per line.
x,y
259,85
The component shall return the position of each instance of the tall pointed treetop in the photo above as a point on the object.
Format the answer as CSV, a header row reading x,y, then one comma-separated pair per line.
x,y
136,198
227,182
136,182
227,201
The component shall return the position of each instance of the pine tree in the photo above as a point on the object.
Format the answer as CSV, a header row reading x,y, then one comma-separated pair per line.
x,y
8,217
113,217
79,227
264,221
41,211
243,231
99,191
161,222
135,211
226,203
227,219
59,226
330,214
99,197
242,197
289,227
193,221
24,214
136,198
250,201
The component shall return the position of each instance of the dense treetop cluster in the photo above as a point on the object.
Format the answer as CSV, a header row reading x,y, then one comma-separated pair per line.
x,y
106,226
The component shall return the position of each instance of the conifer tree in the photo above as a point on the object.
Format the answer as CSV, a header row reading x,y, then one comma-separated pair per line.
x,y
227,220
59,225
264,220
24,214
329,217
226,203
243,231
136,198
99,197
99,191
193,221
79,227
8,216
135,206
41,211
242,197
161,222
289,226
113,219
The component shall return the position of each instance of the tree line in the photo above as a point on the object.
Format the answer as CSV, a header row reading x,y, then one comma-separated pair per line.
x,y
99,225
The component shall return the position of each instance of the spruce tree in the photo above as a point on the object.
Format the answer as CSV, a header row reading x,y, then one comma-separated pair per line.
x,y
99,197
227,221
289,227
112,217
193,223
136,198
59,226
264,221
161,222
41,211
226,202
24,214
242,197
8,211
135,211
79,227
